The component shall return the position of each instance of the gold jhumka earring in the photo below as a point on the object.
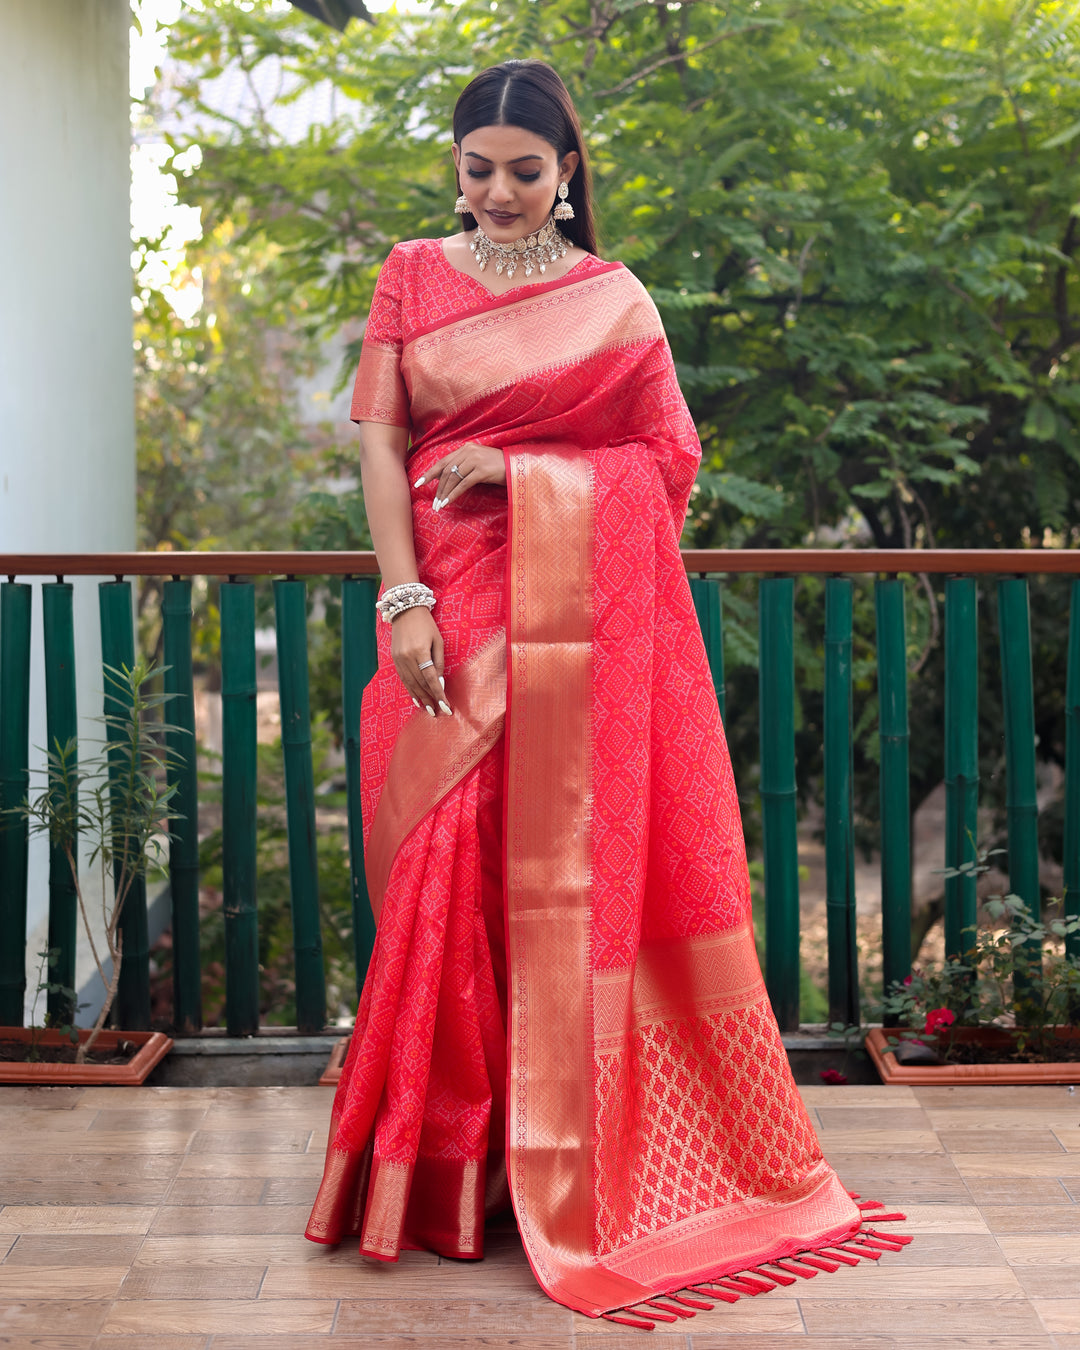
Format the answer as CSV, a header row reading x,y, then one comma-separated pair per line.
x,y
461,206
563,209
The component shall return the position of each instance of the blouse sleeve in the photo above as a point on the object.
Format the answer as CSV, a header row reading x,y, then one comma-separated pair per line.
x,y
379,393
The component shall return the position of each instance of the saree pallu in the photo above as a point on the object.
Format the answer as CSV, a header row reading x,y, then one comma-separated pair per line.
x,y
565,852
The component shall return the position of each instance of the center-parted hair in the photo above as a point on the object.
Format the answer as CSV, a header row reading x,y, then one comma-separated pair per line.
x,y
530,95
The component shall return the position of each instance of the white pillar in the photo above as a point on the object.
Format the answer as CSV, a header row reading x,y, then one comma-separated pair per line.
x,y
67,435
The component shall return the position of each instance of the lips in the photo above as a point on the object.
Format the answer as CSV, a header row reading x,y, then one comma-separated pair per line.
x,y
502,217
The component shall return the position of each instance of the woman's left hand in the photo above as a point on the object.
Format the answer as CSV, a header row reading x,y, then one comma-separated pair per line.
x,y
470,464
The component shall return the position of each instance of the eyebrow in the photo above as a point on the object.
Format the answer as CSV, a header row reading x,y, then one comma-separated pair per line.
x,y
471,154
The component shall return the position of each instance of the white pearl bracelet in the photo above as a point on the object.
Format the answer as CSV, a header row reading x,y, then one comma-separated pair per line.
x,y
409,595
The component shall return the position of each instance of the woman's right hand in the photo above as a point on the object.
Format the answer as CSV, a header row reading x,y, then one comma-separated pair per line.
x,y
415,639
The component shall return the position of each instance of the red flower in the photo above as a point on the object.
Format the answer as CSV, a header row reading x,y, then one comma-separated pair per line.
x,y
833,1076
907,980
937,1018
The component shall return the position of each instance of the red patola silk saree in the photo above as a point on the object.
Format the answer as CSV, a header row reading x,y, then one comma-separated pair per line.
x,y
564,1009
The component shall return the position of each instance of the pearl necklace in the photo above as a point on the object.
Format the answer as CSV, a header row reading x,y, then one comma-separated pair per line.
x,y
531,251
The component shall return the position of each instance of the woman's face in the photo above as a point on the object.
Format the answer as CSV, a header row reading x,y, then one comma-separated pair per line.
x,y
510,177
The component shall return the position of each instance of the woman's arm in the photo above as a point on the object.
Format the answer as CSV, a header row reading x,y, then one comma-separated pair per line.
x,y
415,637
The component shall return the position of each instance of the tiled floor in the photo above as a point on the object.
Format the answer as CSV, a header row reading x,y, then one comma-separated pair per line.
x,y
171,1219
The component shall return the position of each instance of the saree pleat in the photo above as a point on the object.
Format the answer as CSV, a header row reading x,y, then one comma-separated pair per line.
x,y
564,1006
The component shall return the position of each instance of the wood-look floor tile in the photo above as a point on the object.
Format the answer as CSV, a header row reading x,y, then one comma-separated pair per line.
x,y
873,1118
425,1317
63,1282
1039,1249
73,1249
238,1250
1072,1187
250,1141
375,1280
55,1098
930,1316
870,1342
945,1249
867,1094
1050,1281
1000,1141
146,1098
856,1140
289,1191
893,1167
202,1282
443,1341
77,1190
998,1118
170,1119
1069,1137
1032,1218
219,1191
1018,1191
130,1317
231,1118
993,1099
887,1281
941,1219
26,1122
1066,1342
220,1219
32,1342
93,1166
252,1165
76,1218
1017,1164
1059,1315
625,1339
274,1099
107,1141
53,1317
160,1342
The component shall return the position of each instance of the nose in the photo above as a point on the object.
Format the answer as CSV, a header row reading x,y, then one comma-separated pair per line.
x,y
501,190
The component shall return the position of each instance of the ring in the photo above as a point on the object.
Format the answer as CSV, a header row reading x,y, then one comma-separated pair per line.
x,y
454,469
425,665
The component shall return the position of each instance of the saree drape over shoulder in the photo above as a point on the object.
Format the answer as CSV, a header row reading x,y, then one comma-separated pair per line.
x,y
564,1008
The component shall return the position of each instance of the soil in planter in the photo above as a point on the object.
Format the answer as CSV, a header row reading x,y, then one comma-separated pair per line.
x,y
971,1052
18,1052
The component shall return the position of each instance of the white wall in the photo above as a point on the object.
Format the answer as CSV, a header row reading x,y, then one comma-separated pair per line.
x,y
67,436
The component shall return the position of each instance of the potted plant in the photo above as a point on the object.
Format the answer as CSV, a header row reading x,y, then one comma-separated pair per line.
x,y
116,802
999,1014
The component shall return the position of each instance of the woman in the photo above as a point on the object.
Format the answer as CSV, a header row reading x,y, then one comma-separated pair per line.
x,y
564,1008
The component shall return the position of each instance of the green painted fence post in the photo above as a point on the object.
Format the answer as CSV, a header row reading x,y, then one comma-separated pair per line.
x,y
839,807
961,759
238,774
15,605
359,660
894,782
1022,810
777,724
182,774
132,1008
62,727
708,603
290,604
1072,777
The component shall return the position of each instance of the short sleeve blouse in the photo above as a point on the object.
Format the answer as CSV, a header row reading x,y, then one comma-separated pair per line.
x,y
379,393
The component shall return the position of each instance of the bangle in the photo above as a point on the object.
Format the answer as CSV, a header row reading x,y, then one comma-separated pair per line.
x,y
409,595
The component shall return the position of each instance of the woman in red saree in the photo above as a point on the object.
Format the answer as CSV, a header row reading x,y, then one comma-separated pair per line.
x,y
564,1010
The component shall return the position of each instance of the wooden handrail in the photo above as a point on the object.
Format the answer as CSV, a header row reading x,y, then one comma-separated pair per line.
x,y
824,561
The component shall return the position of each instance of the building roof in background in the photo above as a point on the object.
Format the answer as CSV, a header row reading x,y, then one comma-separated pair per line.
x,y
337,13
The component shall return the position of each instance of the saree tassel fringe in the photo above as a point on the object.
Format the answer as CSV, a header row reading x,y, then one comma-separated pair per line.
x,y
866,1244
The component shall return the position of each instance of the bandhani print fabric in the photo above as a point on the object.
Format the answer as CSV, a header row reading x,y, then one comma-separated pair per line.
x,y
564,1009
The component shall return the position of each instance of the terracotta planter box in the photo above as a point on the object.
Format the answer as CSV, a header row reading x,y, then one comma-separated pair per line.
x,y
938,1075
331,1075
153,1046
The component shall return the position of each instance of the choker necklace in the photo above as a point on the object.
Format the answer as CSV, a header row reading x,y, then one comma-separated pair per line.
x,y
531,251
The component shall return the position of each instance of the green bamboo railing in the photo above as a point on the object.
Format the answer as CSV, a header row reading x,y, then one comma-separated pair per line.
x,y
15,602
359,590
239,758
176,616
61,728
894,781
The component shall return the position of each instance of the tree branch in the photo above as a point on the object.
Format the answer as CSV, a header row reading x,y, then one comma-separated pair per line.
x,y
668,58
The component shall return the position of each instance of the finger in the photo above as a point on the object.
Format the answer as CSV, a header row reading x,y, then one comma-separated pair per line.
x,y
434,674
413,686
452,485
433,471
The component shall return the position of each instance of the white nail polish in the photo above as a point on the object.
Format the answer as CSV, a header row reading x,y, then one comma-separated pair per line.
x,y
416,703
442,681
420,481
446,708
430,709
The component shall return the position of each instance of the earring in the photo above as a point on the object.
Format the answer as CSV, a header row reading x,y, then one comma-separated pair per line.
x,y
563,209
461,206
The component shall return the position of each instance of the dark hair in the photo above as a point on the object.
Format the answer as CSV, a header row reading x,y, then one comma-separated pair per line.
x,y
530,95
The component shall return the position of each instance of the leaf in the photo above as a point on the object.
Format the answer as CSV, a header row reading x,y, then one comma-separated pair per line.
x,y
752,499
1061,138
1040,422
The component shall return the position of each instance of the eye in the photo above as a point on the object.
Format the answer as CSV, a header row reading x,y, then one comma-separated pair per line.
x,y
529,177
473,173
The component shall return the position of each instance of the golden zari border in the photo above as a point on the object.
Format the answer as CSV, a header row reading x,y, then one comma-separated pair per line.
x,y
549,642
432,755
465,360
689,977
379,391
